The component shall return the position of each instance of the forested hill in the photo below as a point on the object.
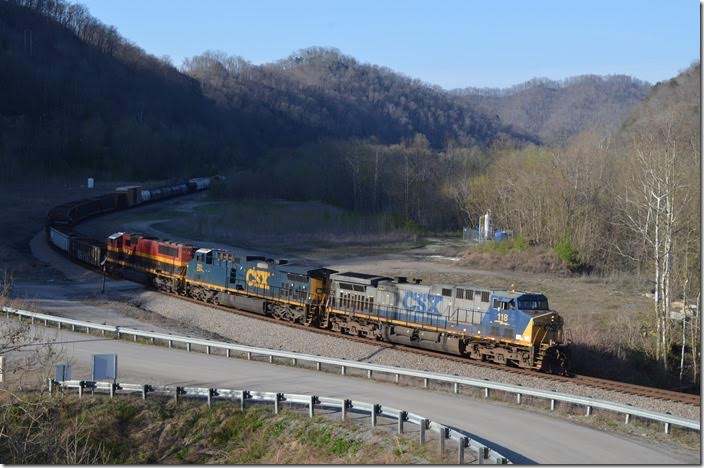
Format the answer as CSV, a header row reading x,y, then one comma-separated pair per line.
x,y
557,110
329,93
77,97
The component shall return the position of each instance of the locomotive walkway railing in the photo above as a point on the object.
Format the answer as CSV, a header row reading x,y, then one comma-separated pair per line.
x,y
310,402
344,365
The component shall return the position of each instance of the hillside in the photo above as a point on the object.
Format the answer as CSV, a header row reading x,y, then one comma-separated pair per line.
x,y
76,97
554,111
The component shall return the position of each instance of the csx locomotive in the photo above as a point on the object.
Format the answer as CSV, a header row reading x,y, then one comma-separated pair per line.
x,y
507,327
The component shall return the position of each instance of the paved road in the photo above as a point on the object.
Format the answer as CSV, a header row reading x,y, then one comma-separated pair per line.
x,y
524,436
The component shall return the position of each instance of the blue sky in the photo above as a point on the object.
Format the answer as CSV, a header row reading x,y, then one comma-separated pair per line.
x,y
445,42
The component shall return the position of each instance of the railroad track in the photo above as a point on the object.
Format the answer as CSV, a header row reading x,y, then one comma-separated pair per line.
x,y
603,384
594,382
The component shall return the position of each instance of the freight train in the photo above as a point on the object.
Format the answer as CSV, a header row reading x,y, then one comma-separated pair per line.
x,y
509,327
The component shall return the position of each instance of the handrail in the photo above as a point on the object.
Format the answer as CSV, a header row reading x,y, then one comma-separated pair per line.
x,y
462,438
486,385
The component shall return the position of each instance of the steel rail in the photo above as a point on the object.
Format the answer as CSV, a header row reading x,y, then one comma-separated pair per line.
x,y
519,391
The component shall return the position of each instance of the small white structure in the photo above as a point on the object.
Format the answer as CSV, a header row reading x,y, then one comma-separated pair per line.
x,y
91,182
485,226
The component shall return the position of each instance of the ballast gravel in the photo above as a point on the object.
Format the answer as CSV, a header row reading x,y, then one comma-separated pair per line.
x,y
199,320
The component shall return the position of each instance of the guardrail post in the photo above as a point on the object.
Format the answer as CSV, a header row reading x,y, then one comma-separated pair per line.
x,y
501,461
177,394
188,347
51,385
443,436
369,374
145,389
456,387
423,427
396,378
482,454
317,366
376,408
552,405
346,404
32,321
102,332
87,330
249,356
628,418
402,416
589,410
171,343
134,337
80,389
211,393
59,324
117,334
279,398
244,394
151,339
227,352
342,370
271,359
486,392
311,406
294,362
112,389
425,383
207,350
667,428
518,398
461,444
73,327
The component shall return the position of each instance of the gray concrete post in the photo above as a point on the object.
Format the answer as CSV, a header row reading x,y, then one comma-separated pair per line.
x,y
423,427
375,411
443,436
243,397
461,444
402,415
311,407
346,404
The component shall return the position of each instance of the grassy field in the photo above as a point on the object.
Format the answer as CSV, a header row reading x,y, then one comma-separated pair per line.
x,y
38,429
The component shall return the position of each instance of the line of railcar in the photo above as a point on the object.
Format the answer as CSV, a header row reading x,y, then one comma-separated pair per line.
x,y
507,327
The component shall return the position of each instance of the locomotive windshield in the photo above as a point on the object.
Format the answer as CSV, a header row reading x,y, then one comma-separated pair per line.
x,y
533,303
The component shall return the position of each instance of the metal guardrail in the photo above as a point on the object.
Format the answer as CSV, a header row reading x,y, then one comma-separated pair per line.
x,y
519,391
311,402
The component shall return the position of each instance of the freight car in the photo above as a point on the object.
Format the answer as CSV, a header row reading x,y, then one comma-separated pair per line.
x,y
507,327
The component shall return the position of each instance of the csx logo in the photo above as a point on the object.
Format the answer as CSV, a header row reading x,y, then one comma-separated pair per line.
x,y
417,302
257,278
